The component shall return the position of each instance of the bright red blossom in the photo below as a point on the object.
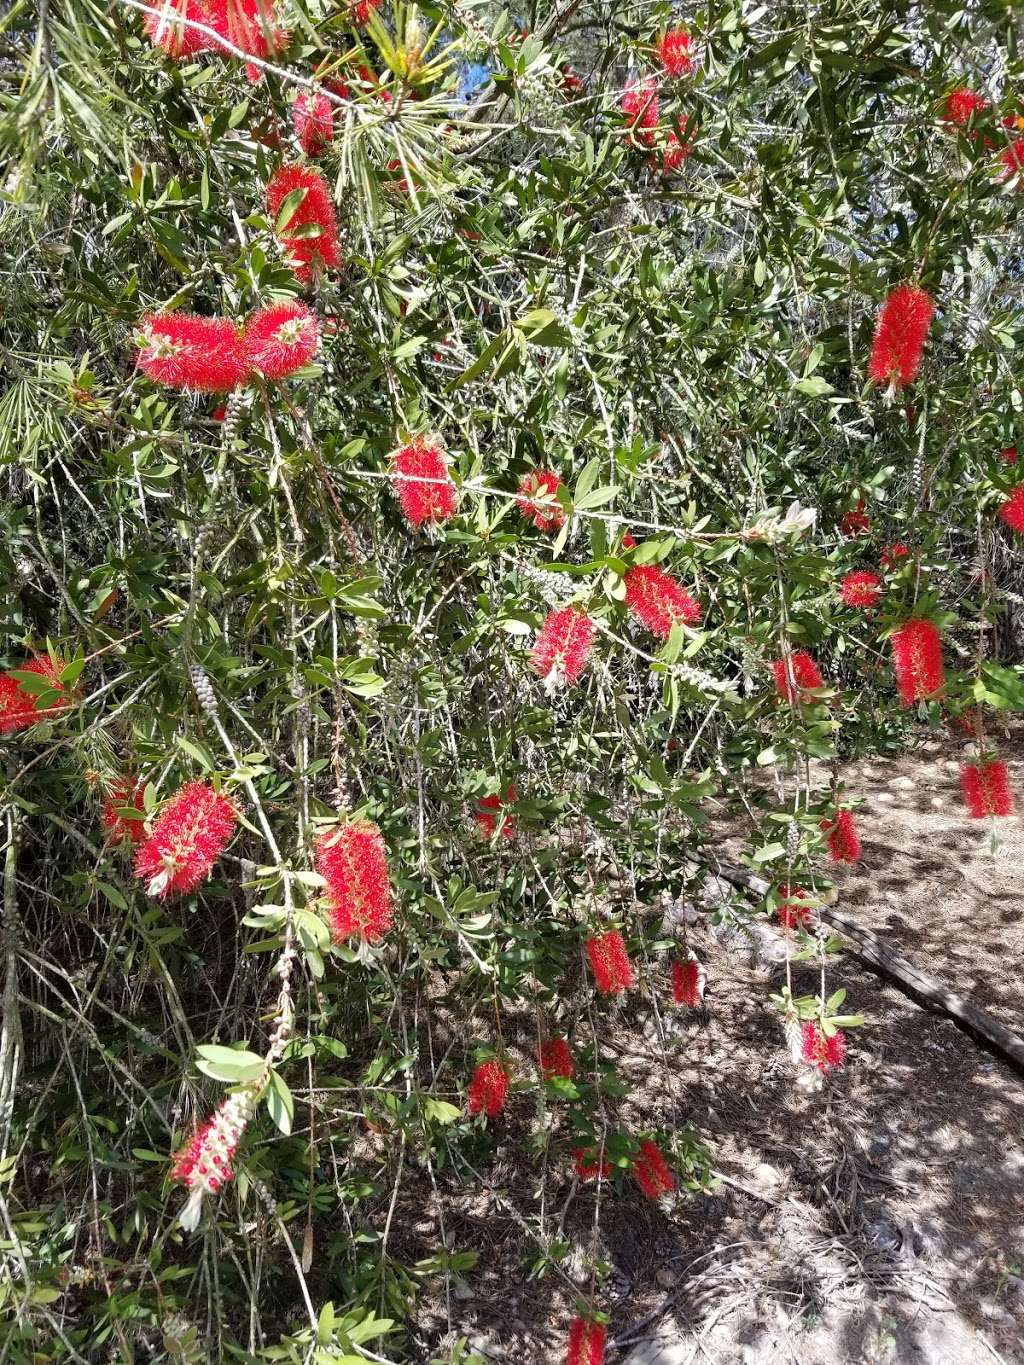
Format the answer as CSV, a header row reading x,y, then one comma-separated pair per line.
x,y
1012,158
280,339
651,1172
900,334
206,1162
893,553
188,837
312,255
537,499
359,12
165,30
855,523
657,600
313,120
609,961
563,646
917,658
425,489
188,352
843,839
251,25
688,981
640,104
805,675
675,52
124,793
1012,510
860,589
352,859
555,1059
1009,455
961,103
821,1051
587,1164
986,788
489,809
793,912
586,1342
488,1089
18,705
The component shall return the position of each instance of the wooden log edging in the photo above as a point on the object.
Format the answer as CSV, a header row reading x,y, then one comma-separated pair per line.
x,y
910,979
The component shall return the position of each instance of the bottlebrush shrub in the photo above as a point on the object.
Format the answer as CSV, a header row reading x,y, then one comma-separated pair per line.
x,y
658,601
674,50
821,1051
651,1172
555,1059
121,794
18,704
799,676
986,788
188,352
688,981
586,1342
1012,510
537,499
313,121
609,961
917,659
563,646
352,860
843,839
861,589
900,334
426,493
189,835
488,1089
309,255
793,911
587,1164
205,1165
280,339
488,810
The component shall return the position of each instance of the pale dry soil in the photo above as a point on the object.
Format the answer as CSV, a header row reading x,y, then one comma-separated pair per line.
x,y
878,1219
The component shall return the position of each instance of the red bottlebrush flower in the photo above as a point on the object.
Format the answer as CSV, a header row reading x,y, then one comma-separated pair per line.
x,y
572,82
917,658
251,25
793,912
18,705
360,10
675,52
843,839
314,254
651,1172
422,502
1012,158
657,600
205,1164
352,860
586,1342
219,413
673,155
986,788
640,104
821,1051
555,1059
488,1089
188,352
688,981
189,835
1009,455
122,793
861,589
563,646
280,339
805,675
587,1164
537,499
609,961
961,103
487,814
900,334
165,30
1012,510
893,553
856,523
628,540
313,121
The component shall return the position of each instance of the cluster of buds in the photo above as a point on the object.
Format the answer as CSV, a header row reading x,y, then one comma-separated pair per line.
x,y
205,1164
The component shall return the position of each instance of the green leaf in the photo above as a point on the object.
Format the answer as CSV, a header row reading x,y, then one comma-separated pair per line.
x,y
234,1065
280,1103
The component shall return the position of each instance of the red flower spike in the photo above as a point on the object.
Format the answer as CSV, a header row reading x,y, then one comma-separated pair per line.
x,y
1012,510
843,839
563,646
675,52
538,502
166,31
487,814
205,1164
651,1172
360,10
805,675
188,837
986,788
188,352
251,25
609,961
121,793
313,121
640,104
658,601
1009,455
18,706
688,982
280,339
827,1054
308,256
555,1059
893,553
917,658
628,540
587,1164
900,334
1012,158
856,523
425,489
861,589
586,1342
488,1089
352,859
793,913
674,154
961,104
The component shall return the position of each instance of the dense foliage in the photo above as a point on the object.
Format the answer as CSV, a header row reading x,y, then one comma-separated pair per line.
x,y
436,489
